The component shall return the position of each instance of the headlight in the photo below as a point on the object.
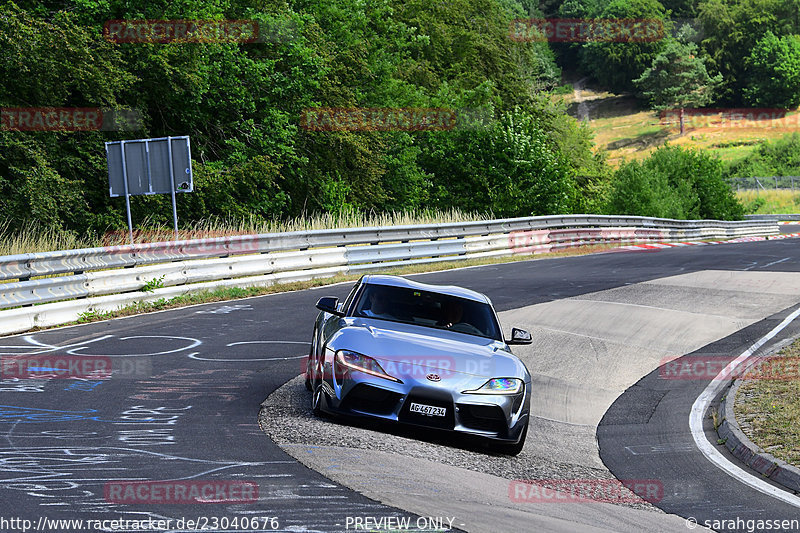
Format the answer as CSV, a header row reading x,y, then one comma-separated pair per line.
x,y
499,386
362,363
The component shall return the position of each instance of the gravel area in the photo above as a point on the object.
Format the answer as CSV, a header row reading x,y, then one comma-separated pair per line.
x,y
287,419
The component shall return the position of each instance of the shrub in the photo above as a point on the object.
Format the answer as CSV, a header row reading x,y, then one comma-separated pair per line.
x,y
674,183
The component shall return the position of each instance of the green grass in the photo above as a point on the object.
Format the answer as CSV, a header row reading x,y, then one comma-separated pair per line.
x,y
768,409
770,202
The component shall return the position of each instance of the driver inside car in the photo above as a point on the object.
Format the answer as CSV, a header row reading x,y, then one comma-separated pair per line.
x,y
452,314
378,306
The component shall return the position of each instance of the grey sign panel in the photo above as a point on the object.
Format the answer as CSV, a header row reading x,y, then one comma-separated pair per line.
x,y
146,165
136,163
114,160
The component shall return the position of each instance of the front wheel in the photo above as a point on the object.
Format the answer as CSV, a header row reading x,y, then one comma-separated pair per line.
x,y
316,399
309,377
309,387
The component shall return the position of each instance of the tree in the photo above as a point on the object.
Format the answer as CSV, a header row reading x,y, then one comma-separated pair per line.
x,y
617,64
773,72
678,79
731,30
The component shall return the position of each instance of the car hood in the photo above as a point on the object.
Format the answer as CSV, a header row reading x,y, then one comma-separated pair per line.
x,y
409,349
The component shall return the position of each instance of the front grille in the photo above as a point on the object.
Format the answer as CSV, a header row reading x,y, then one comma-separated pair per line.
x,y
482,417
442,422
369,399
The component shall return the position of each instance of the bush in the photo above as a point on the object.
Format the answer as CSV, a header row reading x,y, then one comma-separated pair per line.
x,y
780,157
510,168
674,183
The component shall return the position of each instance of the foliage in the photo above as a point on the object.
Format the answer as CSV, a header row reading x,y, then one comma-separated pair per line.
x,y
153,284
511,167
674,183
617,64
773,72
241,103
678,78
771,158
732,28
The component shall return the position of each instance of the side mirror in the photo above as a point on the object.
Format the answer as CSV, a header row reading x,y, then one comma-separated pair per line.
x,y
329,304
519,336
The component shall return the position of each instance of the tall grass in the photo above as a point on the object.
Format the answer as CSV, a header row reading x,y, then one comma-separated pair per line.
x,y
770,202
34,238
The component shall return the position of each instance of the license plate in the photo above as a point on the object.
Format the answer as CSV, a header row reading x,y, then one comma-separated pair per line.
x,y
428,410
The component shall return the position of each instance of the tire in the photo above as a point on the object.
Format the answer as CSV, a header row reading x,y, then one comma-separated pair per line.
x,y
316,399
308,372
511,449
309,377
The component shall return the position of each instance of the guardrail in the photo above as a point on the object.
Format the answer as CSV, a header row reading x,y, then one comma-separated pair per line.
x,y
775,218
73,282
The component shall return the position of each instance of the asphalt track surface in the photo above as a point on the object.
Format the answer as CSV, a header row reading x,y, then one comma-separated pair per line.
x,y
183,401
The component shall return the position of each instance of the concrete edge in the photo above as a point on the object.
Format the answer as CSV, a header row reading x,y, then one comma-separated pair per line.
x,y
747,452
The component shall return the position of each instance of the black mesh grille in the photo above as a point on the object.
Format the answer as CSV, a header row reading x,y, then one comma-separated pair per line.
x,y
482,417
369,399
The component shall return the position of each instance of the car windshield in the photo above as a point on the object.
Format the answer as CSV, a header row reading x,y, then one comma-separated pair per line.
x,y
429,309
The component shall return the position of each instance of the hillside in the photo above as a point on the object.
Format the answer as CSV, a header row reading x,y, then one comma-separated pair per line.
x,y
625,129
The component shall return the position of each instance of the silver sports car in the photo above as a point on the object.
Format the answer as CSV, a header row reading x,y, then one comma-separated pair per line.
x,y
419,354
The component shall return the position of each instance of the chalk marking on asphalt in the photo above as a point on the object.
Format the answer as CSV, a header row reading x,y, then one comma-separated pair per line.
x,y
699,409
267,342
195,354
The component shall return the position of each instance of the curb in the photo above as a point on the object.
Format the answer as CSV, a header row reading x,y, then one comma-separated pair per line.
x,y
661,245
747,452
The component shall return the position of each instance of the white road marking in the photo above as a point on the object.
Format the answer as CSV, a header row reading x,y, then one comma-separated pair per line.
x,y
776,262
713,454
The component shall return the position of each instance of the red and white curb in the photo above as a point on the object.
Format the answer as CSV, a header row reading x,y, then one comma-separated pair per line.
x,y
661,245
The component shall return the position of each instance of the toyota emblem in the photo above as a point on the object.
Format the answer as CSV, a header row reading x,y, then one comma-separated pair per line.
x,y
433,377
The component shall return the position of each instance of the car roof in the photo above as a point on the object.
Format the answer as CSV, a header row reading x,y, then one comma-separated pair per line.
x,y
450,290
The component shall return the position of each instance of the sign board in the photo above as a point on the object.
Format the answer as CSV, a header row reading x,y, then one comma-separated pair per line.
x,y
149,166
146,166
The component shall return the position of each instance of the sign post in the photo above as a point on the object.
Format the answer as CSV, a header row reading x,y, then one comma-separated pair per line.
x,y
149,166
